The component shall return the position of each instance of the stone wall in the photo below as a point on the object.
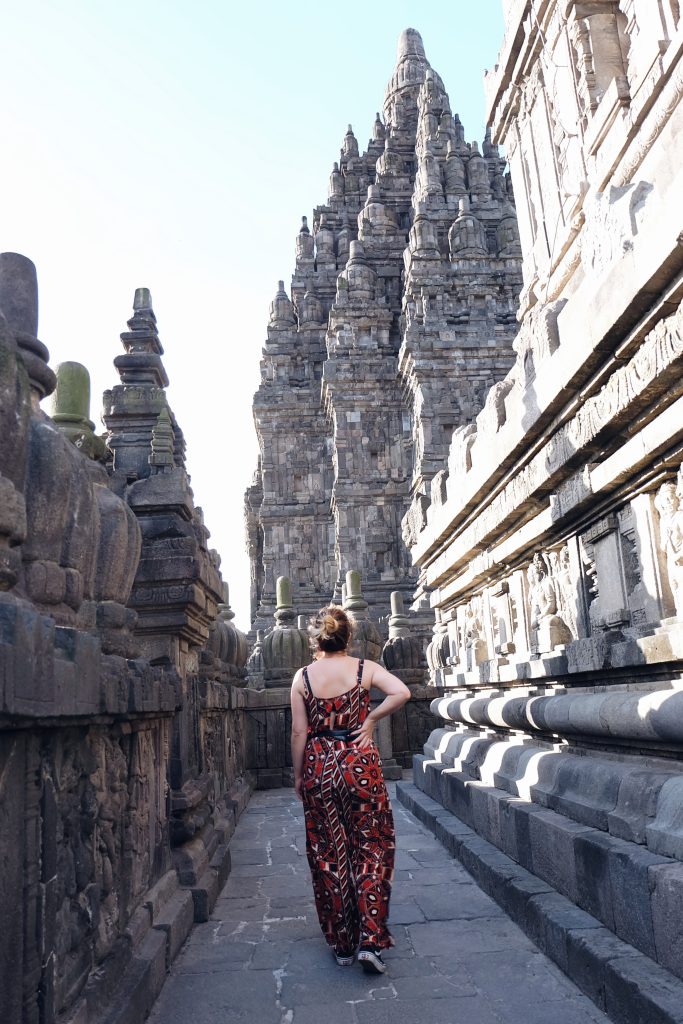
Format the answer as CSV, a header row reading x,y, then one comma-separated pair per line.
x,y
552,551
122,747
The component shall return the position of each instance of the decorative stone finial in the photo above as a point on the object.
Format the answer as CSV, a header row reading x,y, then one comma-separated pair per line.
x,y
366,642
286,648
353,585
356,250
71,409
410,45
398,621
281,308
19,304
284,611
19,292
162,443
350,148
141,365
304,242
143,300
402,653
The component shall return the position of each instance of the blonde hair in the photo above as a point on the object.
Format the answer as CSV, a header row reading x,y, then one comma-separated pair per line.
x,y
330,629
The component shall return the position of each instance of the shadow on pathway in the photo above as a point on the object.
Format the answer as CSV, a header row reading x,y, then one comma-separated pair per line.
x,y
261,959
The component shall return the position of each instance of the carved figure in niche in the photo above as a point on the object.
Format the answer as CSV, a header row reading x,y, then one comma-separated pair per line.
x,y
668,504
564,589
548,629
474,642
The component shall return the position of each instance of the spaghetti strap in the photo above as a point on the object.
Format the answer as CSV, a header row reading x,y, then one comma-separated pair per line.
x,y
307,683
359,677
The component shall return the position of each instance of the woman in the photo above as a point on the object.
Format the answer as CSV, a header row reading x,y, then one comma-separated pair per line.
x,y
338,774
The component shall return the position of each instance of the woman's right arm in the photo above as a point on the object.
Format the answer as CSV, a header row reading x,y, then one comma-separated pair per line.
x,y
299,731
397,693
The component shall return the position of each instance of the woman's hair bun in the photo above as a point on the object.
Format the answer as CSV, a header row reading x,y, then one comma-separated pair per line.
x,y
329,624
330,629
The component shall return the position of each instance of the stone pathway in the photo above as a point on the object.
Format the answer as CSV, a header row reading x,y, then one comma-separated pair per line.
x,y
261,958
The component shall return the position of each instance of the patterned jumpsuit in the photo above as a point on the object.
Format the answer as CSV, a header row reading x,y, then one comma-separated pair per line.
x,y
350,839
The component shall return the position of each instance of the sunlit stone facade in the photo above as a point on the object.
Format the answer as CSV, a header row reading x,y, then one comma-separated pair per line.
x,y
553,549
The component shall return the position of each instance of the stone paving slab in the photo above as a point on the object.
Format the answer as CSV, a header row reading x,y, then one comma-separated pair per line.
x,y
261,958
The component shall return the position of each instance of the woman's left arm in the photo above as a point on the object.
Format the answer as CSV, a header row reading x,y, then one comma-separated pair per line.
x,y
299,732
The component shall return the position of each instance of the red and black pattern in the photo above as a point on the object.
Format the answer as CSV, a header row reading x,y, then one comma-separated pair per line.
x,y
350,839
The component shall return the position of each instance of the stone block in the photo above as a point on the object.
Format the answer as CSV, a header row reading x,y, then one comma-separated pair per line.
x,y
548,921
589,951
161,892
666,881
204,895
176,920
586,789
593,887
484,812
221,863
552,837
636,807
518,822
191,861
456,795
138,926
637,991
269,778
630,869
139,986
665,833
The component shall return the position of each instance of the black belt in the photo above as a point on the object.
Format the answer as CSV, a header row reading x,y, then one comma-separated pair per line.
x,y
344,735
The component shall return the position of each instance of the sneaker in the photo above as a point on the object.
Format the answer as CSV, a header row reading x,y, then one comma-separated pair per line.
x,y
344,960
371,960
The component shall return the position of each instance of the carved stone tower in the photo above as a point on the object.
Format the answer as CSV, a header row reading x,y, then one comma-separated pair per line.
x,y
401,317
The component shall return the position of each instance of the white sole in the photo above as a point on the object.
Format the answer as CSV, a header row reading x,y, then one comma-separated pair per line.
x,y
371,963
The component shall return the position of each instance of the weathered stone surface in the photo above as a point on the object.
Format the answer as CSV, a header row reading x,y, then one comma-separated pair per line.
x,y
551,550
114,754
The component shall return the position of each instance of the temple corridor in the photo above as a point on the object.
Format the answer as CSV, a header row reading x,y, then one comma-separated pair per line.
x,y
458,959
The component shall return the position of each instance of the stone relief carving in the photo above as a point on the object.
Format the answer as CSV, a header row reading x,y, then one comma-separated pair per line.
x,y
565,590
669,504
548,629
474,642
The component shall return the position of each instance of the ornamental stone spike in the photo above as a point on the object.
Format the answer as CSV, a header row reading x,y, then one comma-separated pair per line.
x,y
286,648
281,309
162,444
366,641
19,292
142,365
71,409
398,621
410,45
19,305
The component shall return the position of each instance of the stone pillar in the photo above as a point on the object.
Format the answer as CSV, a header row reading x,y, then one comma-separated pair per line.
x,y
71,409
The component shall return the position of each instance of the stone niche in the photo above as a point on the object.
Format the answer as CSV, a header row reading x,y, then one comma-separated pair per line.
x,y
123,744
552,552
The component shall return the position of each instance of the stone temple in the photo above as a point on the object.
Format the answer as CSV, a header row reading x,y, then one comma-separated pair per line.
x,y
399,321
471,431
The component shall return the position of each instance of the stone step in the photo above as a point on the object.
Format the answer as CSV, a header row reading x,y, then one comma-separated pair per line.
x,y
629,986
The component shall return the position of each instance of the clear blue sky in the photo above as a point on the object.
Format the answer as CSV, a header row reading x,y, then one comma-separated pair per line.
x,y
175,145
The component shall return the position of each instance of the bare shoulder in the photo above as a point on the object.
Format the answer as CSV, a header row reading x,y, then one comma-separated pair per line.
x,y
298,681
377,675
369,672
